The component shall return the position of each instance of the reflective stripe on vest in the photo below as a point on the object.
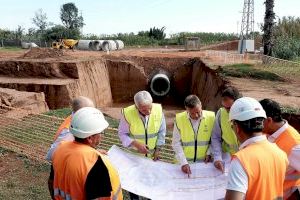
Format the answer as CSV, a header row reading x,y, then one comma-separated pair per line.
x,y
62,194
137,127
286,141
72,163
230,143
265,165
195,147
65,125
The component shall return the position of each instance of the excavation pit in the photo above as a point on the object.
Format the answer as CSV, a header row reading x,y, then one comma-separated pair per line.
x,y
112,80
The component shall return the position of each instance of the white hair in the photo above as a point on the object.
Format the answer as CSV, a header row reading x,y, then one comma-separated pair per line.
x,y
142,98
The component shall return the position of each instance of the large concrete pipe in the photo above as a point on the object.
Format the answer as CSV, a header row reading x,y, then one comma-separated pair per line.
x,y
27,45
84,45
100,43
160,84
120,44
95,45
109,45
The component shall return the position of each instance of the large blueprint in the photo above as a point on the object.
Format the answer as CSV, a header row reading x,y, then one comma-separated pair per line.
x,y
161,180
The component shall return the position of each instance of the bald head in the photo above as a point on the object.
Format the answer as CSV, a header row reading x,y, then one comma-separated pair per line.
x,y
81,102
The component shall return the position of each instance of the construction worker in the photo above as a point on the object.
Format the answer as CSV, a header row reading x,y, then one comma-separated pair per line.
x,y
288,139
80,171
258,169
191,134
63,134
142,127
223,139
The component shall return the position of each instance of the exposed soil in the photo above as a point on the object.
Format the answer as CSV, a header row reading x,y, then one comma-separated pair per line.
x,y
287,93
22,178
117,76
43,53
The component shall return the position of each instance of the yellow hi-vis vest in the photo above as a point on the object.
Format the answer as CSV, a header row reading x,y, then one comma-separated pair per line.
x,y
137,127
195,147
230,143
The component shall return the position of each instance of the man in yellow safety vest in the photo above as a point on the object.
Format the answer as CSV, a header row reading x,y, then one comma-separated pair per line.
x,y
191,134
142,127
223,138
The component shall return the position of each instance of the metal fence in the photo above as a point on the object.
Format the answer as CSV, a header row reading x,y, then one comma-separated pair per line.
x,y
284,68
17,43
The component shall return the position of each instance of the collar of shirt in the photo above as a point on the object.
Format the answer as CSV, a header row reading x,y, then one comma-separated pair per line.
x,y
277,133
252,140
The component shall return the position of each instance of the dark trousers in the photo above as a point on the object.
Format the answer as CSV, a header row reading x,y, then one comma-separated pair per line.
x,y
133,196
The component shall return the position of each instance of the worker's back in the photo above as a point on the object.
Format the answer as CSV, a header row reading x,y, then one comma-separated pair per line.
x,y
265,165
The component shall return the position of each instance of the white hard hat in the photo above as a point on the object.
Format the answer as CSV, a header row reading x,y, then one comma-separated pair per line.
x,y
246,108
87,121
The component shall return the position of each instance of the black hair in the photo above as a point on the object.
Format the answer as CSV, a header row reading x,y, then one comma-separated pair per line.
x,y
272,109
231,92
80,140
252,125
191,101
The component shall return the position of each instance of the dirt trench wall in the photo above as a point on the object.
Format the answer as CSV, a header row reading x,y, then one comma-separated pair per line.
x,y
207,85
125,80
293,119
94,82
59,81
38,69
187,76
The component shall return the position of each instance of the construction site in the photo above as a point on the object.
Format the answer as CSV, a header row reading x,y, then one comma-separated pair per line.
x,y
38,84
40,79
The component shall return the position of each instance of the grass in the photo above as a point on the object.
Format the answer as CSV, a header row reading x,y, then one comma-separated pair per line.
x,y
22,178
248,71
65,112
61,113
290,110
297,59
10,49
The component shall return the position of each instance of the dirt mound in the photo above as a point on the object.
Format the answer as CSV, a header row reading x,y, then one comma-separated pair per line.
x,y
36,53
29,102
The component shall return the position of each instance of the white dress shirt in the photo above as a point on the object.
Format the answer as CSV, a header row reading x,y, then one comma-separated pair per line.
x,y
237,177
294,157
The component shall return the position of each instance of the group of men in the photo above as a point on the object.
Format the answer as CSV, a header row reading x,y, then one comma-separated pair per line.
x,y
264,148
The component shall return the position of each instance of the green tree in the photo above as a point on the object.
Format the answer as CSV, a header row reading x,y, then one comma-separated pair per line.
x,y
40,20
69,16
19,33
157,33
59,32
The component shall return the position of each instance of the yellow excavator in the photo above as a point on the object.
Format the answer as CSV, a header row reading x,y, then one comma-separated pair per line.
x,y
64,44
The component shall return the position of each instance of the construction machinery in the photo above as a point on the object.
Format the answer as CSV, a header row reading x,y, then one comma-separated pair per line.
x,y
64,44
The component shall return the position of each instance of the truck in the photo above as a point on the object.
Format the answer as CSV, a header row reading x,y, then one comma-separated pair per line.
x,y
64,44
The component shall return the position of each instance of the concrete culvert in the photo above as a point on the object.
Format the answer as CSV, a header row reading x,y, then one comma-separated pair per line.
x,y
120,44
95,45
84,44
109,45
100,44
160,85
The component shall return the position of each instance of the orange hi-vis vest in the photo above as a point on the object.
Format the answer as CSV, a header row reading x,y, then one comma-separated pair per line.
x,y
72,162
265,165
65,125
286,141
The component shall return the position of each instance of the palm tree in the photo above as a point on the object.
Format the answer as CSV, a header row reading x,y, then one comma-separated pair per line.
x,y
268,27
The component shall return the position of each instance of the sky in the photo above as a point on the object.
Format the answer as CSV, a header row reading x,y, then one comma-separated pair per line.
x,y
124,16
